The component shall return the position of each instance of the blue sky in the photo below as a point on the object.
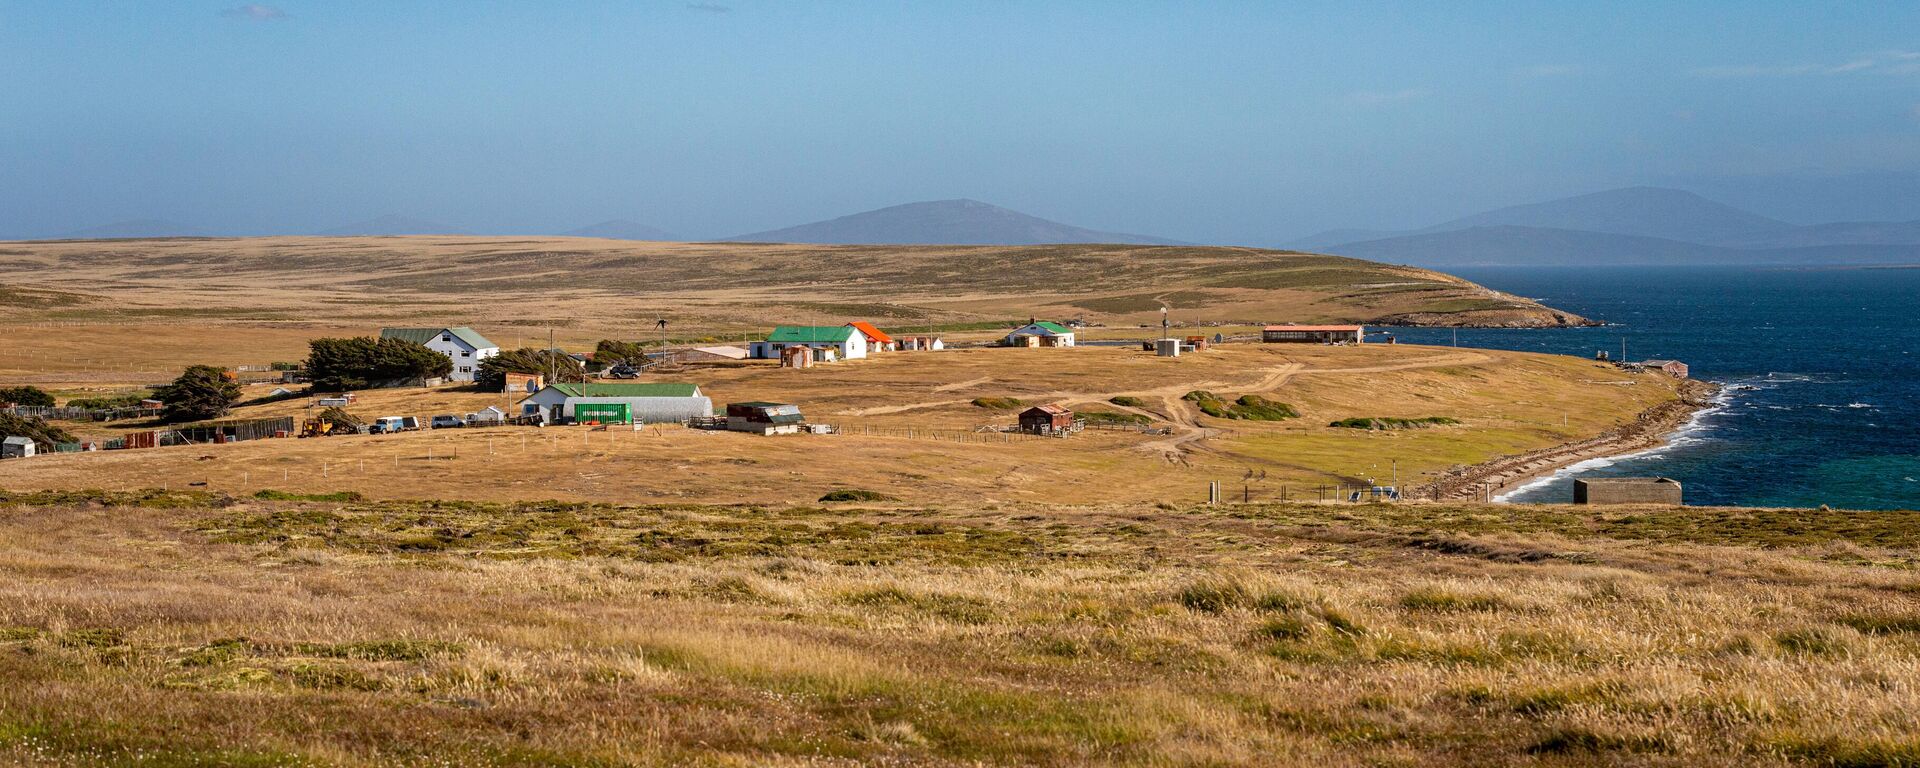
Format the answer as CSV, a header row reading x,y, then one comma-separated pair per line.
x,y
1217,122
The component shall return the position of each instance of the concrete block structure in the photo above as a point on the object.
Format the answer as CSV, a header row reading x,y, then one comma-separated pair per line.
x,y
1627,490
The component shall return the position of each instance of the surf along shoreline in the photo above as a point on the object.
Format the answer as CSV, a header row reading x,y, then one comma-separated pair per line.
x,y
1488,480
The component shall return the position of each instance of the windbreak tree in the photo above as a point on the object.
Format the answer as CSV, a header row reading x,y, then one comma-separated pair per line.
x,y
33,396
611,351
492,373
339,365
201,392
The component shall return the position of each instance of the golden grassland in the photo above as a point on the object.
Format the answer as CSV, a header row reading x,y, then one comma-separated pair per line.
x,y
169,628
910,425
592,289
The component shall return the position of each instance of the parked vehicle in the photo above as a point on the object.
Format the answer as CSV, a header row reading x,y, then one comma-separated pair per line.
x,y
448,421
387,425
622,370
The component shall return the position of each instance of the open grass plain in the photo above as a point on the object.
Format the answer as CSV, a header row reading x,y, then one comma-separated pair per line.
x,y
169,628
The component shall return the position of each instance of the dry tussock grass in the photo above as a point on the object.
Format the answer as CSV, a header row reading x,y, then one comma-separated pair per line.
x,y
164,629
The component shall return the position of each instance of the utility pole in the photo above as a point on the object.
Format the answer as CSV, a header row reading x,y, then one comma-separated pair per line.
x,y
1163,323
551,372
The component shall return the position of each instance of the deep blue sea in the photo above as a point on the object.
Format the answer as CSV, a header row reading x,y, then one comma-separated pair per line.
x,y
1822,403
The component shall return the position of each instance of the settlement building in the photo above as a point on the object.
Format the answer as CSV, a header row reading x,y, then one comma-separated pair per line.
x,y
16,448
829,342
461,345
1627,490
1040,333
1313,334
616,403
877,340
1046,420
764,418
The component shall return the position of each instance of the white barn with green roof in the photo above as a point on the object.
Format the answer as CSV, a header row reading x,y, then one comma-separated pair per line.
x,y
844,342
461,345
1040,333
624,403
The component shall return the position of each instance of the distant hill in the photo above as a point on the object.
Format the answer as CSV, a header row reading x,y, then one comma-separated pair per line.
x,y
622,229
1670,214
134,228
1542,246
392,224
944,222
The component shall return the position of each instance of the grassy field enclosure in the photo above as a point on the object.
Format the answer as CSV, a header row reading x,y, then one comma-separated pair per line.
x,y
149,629
910,421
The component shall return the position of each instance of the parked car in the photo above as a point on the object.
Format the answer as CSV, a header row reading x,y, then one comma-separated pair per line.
x,y
621,370
448,421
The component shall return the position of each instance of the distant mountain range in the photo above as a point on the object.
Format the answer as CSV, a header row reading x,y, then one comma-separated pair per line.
x,y
944,222
1636,225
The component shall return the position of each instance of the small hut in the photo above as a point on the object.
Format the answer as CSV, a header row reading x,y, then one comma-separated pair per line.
x,y
796,357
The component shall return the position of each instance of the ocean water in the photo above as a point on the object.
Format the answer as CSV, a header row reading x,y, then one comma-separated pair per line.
x,y
1821,367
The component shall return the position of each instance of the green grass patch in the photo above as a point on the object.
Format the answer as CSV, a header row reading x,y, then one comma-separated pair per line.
x,y
997,403
1115,418
1391,422
1128,401
381,650
1246,407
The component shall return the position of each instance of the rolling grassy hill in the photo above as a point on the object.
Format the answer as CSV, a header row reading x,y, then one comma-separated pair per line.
x,y
736,285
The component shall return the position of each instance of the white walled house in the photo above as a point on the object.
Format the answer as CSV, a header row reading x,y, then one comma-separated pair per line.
x,y
1040,333
461,345
844,341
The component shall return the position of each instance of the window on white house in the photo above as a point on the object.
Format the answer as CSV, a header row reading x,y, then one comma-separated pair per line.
x,y
466,369
464,353
446,337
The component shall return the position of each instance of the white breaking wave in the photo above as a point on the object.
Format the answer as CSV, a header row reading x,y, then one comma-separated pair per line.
x,y
1692,432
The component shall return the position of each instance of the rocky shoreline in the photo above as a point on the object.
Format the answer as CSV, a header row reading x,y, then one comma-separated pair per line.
x,y
1483,481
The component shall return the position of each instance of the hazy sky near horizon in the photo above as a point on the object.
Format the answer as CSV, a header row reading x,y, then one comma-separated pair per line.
x,y
1214,122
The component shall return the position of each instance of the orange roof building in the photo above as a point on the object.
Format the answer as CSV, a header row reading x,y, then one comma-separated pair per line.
x,y
876,338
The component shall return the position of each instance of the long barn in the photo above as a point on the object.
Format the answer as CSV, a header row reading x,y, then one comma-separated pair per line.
x,y
600,403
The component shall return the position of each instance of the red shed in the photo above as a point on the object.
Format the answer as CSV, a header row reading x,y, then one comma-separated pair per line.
x,y
1046,419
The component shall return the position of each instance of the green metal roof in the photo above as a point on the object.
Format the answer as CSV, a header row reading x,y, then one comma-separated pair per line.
x,y
424,335
1051,326
658,389
812,333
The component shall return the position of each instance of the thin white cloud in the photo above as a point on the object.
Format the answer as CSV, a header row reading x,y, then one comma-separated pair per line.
x,y
254,12
1895,63
1377,98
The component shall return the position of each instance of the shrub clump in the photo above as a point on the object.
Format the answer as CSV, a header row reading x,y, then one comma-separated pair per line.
x,y
269,494
341,365
1390,422
855,494
1442,601
44,435
1246,407
998,403
107,402
1128,401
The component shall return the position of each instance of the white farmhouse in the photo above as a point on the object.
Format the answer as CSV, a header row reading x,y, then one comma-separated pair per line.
x,y
461,345
1040,333
844,341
